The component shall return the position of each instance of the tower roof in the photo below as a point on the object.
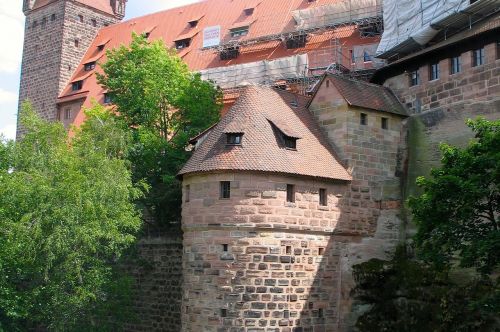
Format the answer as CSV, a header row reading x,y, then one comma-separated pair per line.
x,y
263,115
102,5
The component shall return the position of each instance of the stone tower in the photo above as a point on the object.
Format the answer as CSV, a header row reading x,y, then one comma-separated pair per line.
x,y
57,35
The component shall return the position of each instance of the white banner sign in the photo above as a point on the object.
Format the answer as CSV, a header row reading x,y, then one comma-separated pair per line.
x,y
211,36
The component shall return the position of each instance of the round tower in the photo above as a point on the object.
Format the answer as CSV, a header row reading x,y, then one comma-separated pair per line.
x,y
57,35
263,221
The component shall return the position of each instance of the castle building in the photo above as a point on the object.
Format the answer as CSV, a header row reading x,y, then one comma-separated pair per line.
x,y
275,195
261,41
57,35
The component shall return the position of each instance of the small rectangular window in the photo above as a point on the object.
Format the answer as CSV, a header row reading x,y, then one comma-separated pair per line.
x,y
67,114
77,43
180,44
320,313
322,197
234,138
89,66
455,65
321,251
478,57
107,98
363,119
290,193
53,17
239,32
94,23
367,57
188,193
223,313
434,71
385,123
353,59
414,78
225,247
225,189
75,86
288,250
80,18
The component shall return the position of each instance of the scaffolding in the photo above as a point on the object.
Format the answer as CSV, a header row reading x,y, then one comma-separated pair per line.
x,y
366,15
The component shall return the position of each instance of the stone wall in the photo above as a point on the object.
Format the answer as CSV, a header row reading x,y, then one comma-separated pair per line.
x,y
51,53
472,84
157,292
256,262
442,106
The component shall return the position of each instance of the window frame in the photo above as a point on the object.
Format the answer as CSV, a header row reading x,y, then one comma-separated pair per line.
x,y
384,123
415,77
182,44
455,65
434,71
89,66
323,197
290,193
225,190
187,193
234,138
478,57
290,142
363,119
77,85
239,32
67,114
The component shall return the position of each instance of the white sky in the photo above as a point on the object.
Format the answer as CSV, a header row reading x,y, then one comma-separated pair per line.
x,y
11,39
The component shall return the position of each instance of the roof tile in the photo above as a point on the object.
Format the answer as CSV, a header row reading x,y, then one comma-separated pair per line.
x,y
261,148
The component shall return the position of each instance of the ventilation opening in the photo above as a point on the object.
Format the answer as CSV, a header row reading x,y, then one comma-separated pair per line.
x,y
288,250
193,24
225,247
248,11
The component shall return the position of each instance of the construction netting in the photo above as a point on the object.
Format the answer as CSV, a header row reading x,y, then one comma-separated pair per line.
x,y
412,20
259,72
337,13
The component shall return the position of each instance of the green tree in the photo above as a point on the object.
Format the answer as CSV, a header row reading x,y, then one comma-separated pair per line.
x,y
163,104
66,217
458,213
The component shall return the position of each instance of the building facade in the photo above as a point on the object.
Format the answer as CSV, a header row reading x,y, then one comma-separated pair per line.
x,y
57,35
272,223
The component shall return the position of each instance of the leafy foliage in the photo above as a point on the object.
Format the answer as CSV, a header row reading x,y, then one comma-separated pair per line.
x,y
163,104
406,295
458,213
66,217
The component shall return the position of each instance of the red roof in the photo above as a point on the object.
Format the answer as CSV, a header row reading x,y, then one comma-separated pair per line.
x,y
367,95
270,17
102,5
262,148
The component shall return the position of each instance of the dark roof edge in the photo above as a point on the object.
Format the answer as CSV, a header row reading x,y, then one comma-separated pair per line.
x,y
297,175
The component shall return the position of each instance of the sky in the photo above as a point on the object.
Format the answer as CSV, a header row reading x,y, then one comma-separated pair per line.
x,y
11,37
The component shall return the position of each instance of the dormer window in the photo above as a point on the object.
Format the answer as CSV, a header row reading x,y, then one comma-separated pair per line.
x,y
290,142
89,66
297,41
239,32
234,138
78,85
183,43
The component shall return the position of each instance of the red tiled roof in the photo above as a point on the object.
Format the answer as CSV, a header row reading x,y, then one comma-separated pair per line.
x,y
102,5
261,148
270,17
367,95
